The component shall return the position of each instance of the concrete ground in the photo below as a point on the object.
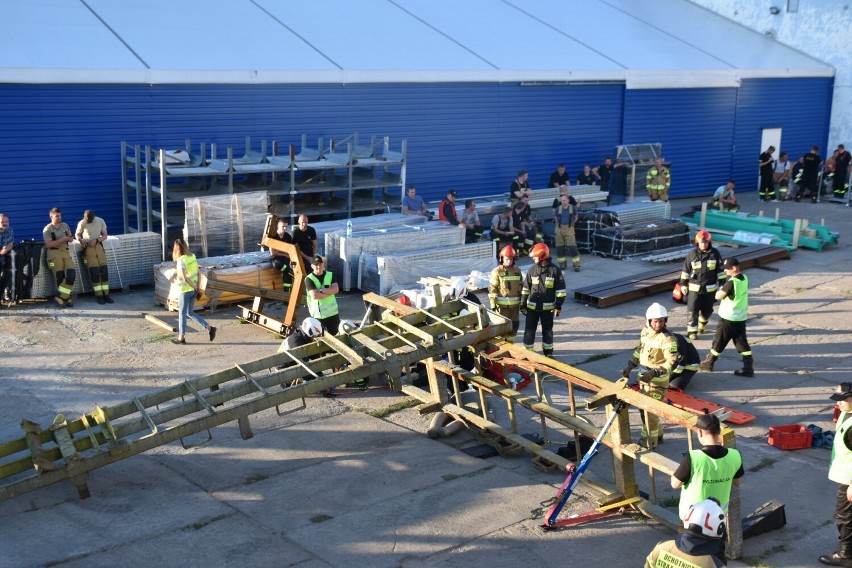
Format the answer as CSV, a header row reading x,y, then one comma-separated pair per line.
x,y
335,486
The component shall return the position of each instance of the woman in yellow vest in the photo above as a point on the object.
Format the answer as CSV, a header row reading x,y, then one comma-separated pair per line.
x,y
840,472
187,277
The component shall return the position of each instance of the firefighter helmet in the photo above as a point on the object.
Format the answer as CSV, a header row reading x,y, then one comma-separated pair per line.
x,y
507,252
703,235
404,300
459,288
705,518
312,327
347,326
656,311
540,251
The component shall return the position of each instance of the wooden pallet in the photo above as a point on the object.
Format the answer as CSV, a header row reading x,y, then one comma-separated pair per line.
x,y
659,280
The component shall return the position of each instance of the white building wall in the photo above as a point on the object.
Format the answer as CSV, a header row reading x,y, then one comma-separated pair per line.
x,y
820,28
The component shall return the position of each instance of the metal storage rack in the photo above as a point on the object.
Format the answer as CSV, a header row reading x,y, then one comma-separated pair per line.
x,y
639,158
154,188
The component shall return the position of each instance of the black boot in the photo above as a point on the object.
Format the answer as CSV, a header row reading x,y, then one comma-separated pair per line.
x,y
842,557
707,363
748,367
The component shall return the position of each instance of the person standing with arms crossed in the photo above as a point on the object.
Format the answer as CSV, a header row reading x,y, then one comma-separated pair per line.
x,y
321,291
840,472
56,237
187,276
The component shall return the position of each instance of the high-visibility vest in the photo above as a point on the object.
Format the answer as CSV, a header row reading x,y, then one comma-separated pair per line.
x,y
840,470
710,478
191,263
324,307
736,309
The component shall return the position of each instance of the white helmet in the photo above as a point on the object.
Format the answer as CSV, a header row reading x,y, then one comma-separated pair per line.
x,y
312,327
705,518
459,288
656,311
347,326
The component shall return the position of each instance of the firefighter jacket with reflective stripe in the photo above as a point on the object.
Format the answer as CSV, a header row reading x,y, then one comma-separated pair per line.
x,y
667,555
702,271
736,308
544,288
324,307
709,477
504,287
657,351
658,178
688,358
840,470
191,264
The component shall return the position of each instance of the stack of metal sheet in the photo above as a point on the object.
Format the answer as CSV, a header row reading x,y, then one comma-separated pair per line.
x,y
343,253
129,260
639,211
384,274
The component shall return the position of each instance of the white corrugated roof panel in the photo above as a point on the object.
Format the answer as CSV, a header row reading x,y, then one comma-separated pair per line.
x,y
646,44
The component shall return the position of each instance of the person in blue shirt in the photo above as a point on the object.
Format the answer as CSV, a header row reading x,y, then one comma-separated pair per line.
x,y
413,204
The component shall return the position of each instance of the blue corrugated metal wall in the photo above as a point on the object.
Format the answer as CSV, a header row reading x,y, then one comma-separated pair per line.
x,y
800,107
61,142
696,129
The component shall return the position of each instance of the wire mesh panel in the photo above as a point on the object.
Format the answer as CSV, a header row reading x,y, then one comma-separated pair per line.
x,y
129,257
385,274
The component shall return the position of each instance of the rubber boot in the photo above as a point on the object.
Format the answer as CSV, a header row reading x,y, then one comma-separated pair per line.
x,y
748,367
547,352
701,328
842,557
707,363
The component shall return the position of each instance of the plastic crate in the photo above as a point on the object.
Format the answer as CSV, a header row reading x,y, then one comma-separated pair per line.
x,y
790,437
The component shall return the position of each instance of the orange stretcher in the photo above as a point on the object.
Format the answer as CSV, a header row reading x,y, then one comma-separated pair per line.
x,y
677,398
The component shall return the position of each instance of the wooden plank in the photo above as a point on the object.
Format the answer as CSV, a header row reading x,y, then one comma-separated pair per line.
x,y
659,280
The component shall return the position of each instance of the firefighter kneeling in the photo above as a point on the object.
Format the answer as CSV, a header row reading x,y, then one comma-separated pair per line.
x,y
542,296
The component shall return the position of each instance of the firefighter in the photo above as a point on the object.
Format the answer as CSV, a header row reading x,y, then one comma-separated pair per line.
x,y
91,233
699,545
688,361
733,315
701,276
504,289
56,236
542,296
657,355
564,219
657,181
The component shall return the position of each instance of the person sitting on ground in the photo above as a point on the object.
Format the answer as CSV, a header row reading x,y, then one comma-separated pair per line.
x,y
724,198
699,544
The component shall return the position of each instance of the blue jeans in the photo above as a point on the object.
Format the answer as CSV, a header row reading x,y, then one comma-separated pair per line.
x,y
186,305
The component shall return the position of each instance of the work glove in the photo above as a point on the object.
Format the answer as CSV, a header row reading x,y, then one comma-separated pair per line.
x,y
648,376
625,373
683,291
524,310
198,295
557,311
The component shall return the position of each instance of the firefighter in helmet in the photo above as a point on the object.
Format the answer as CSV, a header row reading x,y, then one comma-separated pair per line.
x,y
504,289
657,355
701,276
542,296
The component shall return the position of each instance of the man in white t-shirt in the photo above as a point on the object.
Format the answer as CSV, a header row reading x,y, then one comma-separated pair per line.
x,y
781,175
